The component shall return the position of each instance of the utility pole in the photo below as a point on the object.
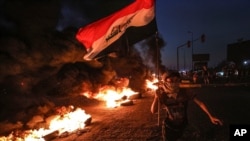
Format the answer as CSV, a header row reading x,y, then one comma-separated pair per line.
x,y
192,42
202,38
158,74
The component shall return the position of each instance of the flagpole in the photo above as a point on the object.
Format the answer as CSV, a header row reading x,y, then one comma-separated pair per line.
x,y
127,44
158,74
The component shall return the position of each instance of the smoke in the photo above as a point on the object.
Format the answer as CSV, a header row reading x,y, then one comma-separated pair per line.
x,y
81,13
150,54
43,58
32,53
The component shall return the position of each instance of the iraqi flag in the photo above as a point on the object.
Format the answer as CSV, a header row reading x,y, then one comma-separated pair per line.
x,y
137,21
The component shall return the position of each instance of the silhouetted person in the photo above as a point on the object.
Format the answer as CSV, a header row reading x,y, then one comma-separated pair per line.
x,y
195,77
174,100
205,75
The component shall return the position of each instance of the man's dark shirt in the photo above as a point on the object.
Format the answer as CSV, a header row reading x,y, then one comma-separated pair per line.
x,y
177,108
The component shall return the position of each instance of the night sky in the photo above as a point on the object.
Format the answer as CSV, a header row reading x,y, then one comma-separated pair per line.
x,y
223,22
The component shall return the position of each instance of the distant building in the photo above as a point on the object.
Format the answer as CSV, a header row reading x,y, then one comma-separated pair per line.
x,y
239,52
200,60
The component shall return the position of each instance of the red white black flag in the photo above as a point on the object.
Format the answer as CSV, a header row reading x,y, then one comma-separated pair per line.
x,y
137,20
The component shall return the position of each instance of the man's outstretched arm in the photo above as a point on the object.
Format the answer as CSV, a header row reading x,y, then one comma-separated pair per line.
x,y
213,119
154,105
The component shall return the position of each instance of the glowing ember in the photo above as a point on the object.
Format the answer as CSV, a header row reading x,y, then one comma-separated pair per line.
x,y
69,122
112,96
151,84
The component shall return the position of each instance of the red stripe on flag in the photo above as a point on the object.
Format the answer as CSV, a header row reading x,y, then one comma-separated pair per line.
x,y
92,32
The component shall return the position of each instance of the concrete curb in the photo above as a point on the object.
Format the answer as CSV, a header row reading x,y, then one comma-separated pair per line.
x,y
190,85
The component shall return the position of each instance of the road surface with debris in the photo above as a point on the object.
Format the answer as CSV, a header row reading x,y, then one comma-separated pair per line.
x,y
137,123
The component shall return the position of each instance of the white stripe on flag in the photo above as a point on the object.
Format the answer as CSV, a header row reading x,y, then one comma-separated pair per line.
x,y
140,18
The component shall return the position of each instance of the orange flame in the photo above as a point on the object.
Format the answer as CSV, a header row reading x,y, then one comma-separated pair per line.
x,y
112,96
151,84
69,122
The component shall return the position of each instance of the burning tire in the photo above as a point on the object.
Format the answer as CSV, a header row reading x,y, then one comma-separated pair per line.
x,y
88,121
135,96
127,103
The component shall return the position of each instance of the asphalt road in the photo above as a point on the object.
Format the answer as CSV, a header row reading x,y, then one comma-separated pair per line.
x,y
136,123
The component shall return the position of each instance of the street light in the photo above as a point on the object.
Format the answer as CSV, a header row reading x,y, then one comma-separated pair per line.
x,y
188,44
192,42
